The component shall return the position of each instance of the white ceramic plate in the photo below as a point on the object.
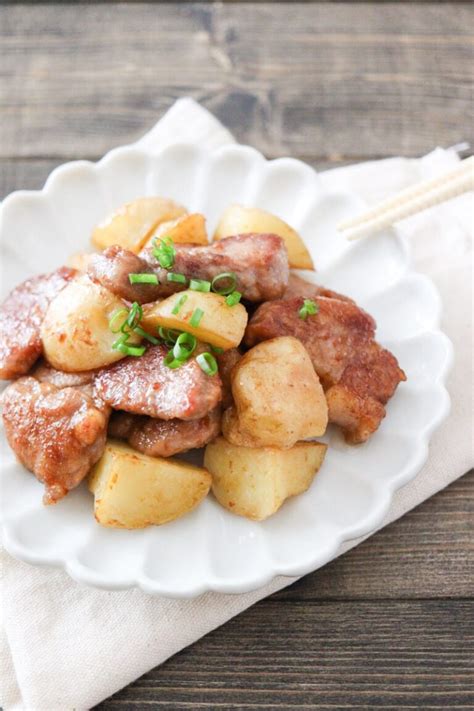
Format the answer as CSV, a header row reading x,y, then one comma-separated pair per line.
x,y
211,549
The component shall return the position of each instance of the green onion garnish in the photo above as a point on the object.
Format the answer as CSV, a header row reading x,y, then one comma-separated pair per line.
x,y
216,349
146,335
200,285
185,346
171,362
122,346
164,252
309,308
169,335
135,315
196,318
179,304
143,279
207,363
122,339
230,282
178,278
114,318
129,324
233,298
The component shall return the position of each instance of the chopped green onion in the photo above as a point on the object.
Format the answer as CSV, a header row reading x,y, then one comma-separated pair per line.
x,y
143,279
225,277
233,298
200,285
122,346
146,335
114,318
185,346
121,340
196,318
216,349
179,304
129,324
207,363
309,308
178,278
135,315
164,252
169,335
172,362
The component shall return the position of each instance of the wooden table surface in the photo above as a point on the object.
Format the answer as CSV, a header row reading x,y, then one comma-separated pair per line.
x,y
390,624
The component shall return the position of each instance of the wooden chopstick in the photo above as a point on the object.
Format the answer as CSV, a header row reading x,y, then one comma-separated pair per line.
x,y
412,200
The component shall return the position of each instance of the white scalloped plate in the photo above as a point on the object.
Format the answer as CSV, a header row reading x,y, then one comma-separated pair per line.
x,y
211,549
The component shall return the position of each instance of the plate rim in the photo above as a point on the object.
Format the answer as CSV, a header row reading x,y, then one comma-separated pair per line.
x,y
372,521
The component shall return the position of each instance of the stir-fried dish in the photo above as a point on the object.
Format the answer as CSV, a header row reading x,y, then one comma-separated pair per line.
x,y
161,342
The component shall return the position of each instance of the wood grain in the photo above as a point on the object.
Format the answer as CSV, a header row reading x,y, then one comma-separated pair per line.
x,y
344,637
326,80
391,623
323,655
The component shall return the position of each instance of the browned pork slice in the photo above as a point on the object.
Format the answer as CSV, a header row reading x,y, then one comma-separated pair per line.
x,y
300,287
358,375
226,362
111,269
163,438
57,433
259,261
83,381
146,386
21,315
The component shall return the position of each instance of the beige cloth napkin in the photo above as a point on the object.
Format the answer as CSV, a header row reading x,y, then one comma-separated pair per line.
x,y
66,646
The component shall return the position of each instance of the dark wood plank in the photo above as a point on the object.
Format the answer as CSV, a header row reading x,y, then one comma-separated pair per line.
x,y
427,553
326,655
304,648
299,650
328,80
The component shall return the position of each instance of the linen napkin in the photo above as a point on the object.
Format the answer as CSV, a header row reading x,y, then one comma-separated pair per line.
x,y
66,646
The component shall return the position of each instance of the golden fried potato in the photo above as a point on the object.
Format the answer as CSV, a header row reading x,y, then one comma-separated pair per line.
x,y
132,490
255,482
131,225
278,397
187,229
220,325
238,219
75,331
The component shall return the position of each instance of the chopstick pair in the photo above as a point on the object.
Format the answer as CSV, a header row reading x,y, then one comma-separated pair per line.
x,y
410,201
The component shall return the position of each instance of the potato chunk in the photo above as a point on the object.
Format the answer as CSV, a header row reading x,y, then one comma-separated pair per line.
x,y
80,260
131,225
132,490
255,482
278,397
187,229
238,219
220,325
75,331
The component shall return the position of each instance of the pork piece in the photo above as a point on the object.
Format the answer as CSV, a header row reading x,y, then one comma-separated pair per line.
x,y
111,268
82,381
146,386
21,316
163,438
226,362
300,287
260,262
57,433
358,375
